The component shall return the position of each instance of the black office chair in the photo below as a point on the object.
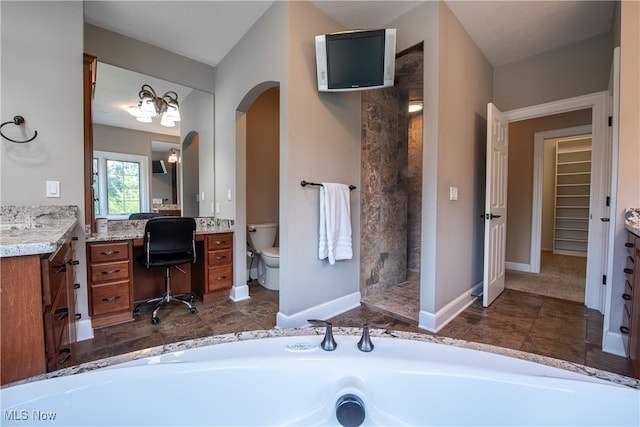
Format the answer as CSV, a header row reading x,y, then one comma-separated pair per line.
x,y
168,242
145,215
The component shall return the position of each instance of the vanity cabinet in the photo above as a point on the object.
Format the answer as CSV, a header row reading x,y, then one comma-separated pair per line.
x,y
110,282
59,286
631,318
213,275
38,313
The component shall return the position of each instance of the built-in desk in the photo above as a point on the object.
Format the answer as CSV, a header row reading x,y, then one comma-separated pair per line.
x,y
117,281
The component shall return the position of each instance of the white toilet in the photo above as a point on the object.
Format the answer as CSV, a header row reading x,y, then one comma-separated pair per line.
x,y
262,237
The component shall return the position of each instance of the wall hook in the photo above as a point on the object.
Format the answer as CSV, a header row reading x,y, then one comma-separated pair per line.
x,y
17,120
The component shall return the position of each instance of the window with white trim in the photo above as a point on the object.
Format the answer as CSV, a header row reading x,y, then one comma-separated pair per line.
x,y
120,184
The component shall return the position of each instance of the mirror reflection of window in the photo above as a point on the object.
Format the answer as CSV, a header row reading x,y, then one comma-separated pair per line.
x,y
120,181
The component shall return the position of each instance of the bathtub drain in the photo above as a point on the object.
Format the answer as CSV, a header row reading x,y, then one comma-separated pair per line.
x,y
350,411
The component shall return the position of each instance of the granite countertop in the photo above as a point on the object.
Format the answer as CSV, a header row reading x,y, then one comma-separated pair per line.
x,y
338,331
632,220
134,229
35,230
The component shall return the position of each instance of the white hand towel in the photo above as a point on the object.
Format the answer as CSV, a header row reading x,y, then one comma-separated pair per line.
x,y
334,240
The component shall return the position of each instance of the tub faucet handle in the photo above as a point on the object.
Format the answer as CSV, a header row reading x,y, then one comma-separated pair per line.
x,y
328,343
365,343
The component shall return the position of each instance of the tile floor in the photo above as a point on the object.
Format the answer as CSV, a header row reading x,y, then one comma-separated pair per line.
x,y
517,320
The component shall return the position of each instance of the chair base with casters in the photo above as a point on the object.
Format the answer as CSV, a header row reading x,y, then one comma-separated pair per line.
x,y
168,242
166,299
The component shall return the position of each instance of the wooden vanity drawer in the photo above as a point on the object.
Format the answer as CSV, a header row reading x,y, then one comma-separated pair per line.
x,y
220,278
217,258
110,297
110,271
219,241
105,252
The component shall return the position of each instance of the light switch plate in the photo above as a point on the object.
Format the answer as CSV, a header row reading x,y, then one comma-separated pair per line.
x,y
53,188
453,193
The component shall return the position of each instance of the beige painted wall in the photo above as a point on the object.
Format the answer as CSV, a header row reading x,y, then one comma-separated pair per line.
x,y
562,73
628,194
323,145
520,182
457,87
34,34
263,157
465,87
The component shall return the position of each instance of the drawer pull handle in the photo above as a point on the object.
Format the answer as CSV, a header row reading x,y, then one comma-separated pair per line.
x,y
221,277
629,245
628,270
624,330
64,355
220,242
61,268
113,298
62,313
107,253
221,256
626,297
108,272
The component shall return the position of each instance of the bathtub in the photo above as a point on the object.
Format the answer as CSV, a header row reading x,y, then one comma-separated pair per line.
x,y
286,379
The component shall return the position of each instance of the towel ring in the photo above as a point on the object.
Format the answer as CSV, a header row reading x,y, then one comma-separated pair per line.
x,y
17,120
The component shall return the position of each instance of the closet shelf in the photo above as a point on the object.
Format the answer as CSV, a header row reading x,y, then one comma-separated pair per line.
x,y
572,181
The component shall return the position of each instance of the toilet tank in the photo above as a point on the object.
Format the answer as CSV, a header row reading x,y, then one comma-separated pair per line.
x,y
262,235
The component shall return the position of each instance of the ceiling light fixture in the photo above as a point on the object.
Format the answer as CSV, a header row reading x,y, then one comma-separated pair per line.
x,y
415,106
173,156
152,105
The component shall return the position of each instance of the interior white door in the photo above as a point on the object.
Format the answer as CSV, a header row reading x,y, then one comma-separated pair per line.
x,y
495,220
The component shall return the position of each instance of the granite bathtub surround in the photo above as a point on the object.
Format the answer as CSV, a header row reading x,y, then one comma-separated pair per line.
x,y
133,229
30,230
632,220
338,331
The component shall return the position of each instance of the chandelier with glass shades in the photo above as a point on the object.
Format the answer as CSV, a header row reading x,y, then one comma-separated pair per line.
x,y
152,105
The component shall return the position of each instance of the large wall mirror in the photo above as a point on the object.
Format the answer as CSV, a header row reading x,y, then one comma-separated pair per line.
x,y
143,165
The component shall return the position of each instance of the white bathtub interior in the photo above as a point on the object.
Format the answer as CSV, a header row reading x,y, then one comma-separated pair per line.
x,y
291,381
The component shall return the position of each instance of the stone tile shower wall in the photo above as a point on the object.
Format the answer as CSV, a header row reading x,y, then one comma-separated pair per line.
x,y
414,213
391,176
384,189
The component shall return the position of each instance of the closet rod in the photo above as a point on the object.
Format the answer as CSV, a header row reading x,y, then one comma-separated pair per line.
x,y
305,183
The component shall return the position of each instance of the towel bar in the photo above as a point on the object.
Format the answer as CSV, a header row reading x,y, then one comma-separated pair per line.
x,y
304,183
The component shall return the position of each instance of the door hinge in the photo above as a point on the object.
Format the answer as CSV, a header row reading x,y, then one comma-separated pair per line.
x,y
610,120
604,279
608,202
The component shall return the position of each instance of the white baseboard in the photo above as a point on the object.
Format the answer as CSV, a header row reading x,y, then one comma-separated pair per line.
x,y
239,293
84,330
434,322
323,311
518,266
612,343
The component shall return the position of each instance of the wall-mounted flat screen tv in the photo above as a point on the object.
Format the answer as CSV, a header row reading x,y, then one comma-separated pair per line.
x,y
356,60
158,167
